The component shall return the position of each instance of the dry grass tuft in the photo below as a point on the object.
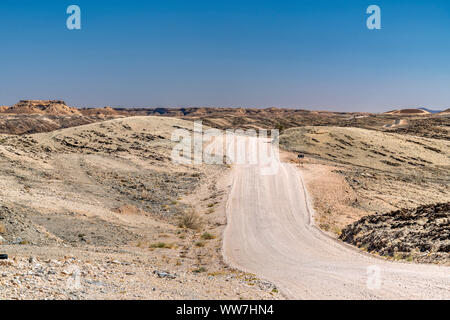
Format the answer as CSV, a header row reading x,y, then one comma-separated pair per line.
x,y
200,244
200,270
162,245
190,220
208,236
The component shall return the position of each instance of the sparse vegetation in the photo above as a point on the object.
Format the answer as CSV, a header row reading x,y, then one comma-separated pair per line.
x,y
161,245
207,236
199,270
217,273
200,244
190,219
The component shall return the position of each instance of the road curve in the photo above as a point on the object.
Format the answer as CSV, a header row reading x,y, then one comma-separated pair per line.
x,y
270,233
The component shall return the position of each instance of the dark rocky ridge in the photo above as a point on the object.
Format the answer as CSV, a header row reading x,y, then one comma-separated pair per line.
x,y
421,234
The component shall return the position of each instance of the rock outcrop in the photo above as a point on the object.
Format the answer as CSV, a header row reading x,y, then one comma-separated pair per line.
x,y
421,234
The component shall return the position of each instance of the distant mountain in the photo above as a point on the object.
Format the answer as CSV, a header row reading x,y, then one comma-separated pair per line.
x,y
445,111
431,111
408,112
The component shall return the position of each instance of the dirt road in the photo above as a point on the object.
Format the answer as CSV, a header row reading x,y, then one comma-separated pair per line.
x,y
270,233
397,123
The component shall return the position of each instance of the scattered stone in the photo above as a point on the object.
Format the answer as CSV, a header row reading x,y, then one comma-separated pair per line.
x,y
163,274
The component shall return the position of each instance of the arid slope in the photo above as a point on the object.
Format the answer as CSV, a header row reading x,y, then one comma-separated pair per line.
x,y
105,198
353,172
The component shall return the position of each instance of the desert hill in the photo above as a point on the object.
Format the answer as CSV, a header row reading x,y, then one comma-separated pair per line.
x,y
106,111
50,107
431,110
268,118
98,145
381,171
34,116
107,197
371,149
34,123
406,112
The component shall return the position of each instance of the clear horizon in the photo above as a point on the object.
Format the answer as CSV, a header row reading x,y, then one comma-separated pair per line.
x,y
315,55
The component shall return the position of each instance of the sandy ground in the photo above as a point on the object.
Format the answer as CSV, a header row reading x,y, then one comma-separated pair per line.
x,y
332,197
271,233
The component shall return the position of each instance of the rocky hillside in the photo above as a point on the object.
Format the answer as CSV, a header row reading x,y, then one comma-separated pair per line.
x,y
104,202
51,107
117,162
430,127
34,116
389,152
421,234
35,123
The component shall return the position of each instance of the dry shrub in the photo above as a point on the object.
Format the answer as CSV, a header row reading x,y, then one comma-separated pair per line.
x,y
162,245
200,244
208,236
200,270
190,219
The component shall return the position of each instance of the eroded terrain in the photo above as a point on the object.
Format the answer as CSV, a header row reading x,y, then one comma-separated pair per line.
x,y
91,196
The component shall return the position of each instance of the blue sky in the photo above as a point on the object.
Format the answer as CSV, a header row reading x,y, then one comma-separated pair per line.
x,y
314,54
